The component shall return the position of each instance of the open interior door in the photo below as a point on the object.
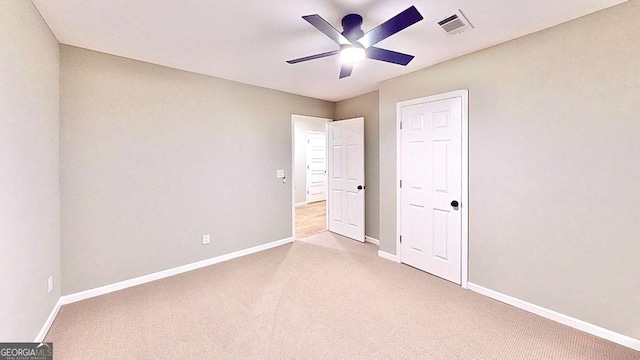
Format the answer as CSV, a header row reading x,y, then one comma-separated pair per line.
x,y
345,205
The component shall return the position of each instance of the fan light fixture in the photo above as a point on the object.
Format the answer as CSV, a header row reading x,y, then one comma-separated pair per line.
x,y
356,45
352,54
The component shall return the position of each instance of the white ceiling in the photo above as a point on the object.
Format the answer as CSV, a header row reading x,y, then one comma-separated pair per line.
x,y
248,41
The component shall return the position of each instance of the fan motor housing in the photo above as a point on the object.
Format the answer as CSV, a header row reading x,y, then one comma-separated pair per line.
x,y
352,27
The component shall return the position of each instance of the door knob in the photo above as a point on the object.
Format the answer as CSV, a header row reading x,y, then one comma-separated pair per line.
x,y
455,204
360,187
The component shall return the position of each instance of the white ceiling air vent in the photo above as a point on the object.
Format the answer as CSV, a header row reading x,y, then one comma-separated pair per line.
x,y
455,24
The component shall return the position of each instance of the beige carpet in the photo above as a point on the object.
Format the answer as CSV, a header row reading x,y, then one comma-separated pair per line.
x,y
324,297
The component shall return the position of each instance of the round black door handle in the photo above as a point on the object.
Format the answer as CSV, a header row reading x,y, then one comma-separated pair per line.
x,y
360,187
455,204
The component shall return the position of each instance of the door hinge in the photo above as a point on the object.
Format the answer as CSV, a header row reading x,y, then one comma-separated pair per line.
x,y
400,239
400,125
400,184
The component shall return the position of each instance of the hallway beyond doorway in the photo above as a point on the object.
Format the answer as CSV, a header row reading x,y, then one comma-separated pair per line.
x,y
311,219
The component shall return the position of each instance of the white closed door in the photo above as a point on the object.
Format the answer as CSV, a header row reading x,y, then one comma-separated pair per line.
x,y
431,188
316,166
345,202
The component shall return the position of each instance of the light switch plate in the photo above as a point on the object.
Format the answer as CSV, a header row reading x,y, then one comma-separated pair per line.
x,y
279,174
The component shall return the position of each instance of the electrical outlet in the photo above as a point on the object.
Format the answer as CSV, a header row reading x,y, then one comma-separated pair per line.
x,y
206,239
279,174
50,284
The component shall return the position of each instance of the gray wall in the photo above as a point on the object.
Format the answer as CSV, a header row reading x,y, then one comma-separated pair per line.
x,y
367,105
29,191
153,158
300,149
554,136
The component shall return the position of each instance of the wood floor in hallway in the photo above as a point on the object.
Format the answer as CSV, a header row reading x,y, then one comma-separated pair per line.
x,y
311,219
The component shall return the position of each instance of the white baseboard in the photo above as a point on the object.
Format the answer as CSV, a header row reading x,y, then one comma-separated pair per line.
x,y
47,324
68,299
388,256
371,240
558,317
301,203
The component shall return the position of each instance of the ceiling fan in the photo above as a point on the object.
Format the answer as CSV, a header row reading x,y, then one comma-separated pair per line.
x,y
355,45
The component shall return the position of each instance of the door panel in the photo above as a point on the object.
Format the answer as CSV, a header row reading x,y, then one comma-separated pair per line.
x,y
440,239
415,236
417,179
346,174
336,201
337,162
431,172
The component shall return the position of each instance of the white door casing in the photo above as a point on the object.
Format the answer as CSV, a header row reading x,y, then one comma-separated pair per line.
x,y
432,170
316,166
346,183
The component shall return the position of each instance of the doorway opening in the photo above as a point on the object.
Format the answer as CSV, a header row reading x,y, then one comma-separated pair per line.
x,y
309,175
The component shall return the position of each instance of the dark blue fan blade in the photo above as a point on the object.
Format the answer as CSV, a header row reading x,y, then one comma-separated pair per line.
x,y
326,28
345,70
313,57
391,26
388,56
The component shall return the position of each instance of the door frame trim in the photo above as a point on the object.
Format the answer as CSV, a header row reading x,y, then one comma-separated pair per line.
x,y
464,95
292,170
